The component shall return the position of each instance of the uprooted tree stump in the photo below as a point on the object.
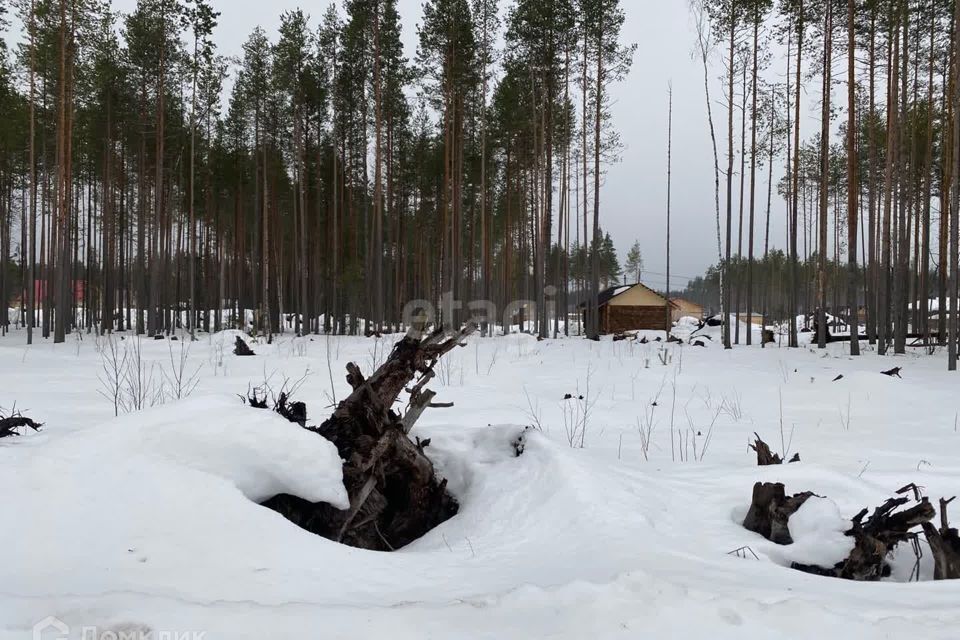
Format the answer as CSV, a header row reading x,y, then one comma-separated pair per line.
x,y
770,510
876,538
395,494
944,545
767,457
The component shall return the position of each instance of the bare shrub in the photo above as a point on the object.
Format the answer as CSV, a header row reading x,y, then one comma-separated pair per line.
x,y
180,382
732,406
533,412
577,411
113,365
141,389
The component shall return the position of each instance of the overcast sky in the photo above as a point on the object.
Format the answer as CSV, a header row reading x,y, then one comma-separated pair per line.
x,y
633,197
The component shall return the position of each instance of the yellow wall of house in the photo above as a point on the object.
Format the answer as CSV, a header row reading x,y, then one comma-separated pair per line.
x,y
687,308
638,297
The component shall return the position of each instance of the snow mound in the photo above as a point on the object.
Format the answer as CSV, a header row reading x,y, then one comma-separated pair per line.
x,y
817,531
687,321
162,488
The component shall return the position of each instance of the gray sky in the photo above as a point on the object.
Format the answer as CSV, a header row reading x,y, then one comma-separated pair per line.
x,y
633,197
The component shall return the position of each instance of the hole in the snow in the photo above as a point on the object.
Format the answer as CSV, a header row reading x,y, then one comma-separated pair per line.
x,y
396,512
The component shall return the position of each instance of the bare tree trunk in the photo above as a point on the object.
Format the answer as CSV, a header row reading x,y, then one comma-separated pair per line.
x,y
795,191
872,306
153,315
192,316
852,182
726,268
924,253
824,179
597,126
753,179
892,100
743,179
378,315
955,200
669,311
901,286
32,277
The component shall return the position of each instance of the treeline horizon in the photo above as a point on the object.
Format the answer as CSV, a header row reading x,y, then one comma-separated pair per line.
x,y
335,182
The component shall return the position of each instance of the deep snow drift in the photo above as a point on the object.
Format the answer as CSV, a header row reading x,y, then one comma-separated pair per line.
x,y
150,521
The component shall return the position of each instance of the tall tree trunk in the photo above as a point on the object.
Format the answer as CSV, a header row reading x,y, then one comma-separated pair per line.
x,y
901,184
668,321
597,127
872,306
726,268
795,190
824,178
191,226
852,181
32,277
955,198
378,316
886,299
753,176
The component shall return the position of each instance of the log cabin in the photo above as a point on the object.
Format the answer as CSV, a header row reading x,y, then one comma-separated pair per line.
x,y
631,307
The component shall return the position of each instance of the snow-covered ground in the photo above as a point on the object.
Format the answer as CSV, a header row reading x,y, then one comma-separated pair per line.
x,y
149,521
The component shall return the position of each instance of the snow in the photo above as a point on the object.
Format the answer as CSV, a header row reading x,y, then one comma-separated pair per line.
x,y
150,521
688,321
933,305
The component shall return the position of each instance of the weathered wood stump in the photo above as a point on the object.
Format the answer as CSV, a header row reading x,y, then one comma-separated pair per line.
x,y
767,457
876,537
395,494
770,510
944,545
241,348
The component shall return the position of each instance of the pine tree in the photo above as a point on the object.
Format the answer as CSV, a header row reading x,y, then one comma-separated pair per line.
x,y
634,264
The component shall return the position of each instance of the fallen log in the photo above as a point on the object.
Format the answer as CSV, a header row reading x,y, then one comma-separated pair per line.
x,y
12,425
395,494
944,545
770,510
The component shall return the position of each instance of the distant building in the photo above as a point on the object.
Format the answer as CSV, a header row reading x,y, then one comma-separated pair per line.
x,y
40,291
682,308
631,307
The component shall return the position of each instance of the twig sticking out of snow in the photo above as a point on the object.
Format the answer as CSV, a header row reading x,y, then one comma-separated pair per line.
x,y
741,552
